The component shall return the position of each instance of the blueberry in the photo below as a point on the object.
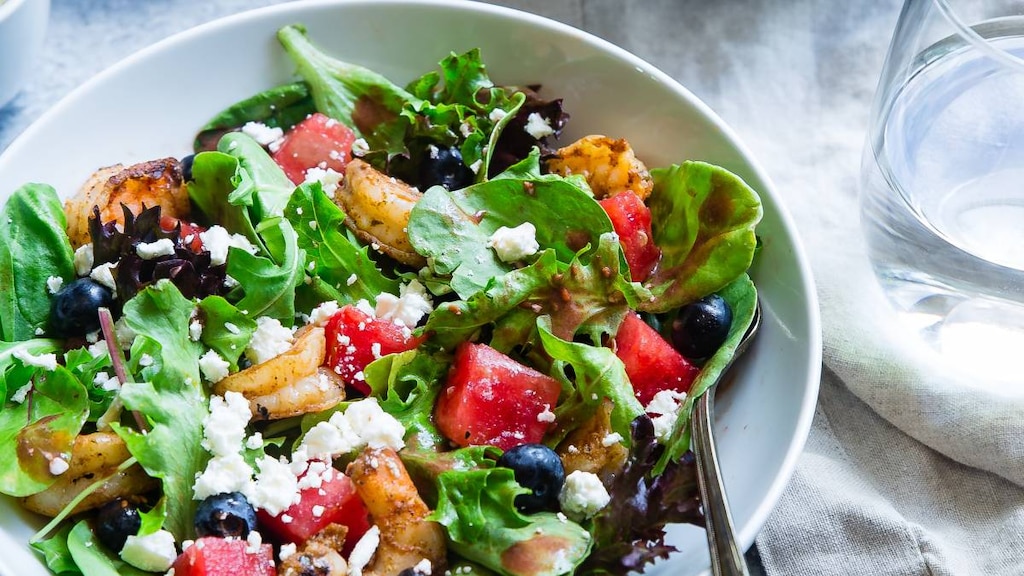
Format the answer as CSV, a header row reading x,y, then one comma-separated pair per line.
x,y
75,309
538,468
701,327
186,167
446,168
115,522
225,515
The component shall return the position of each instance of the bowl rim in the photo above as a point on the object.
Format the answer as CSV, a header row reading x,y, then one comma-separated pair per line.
x,y
746,533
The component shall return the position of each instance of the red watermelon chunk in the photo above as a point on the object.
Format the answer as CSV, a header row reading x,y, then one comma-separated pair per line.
x,y
652,364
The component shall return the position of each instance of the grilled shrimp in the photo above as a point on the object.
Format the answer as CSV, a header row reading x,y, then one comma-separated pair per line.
x,y
590,447
319,556
94,457
406,537
157,182
291,383
608,164
377,209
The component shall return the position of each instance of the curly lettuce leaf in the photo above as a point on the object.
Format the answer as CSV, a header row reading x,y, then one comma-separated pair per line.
x,y
477,509
596,374
331,255
43,425
703,220
33,247
267,285
86,368
452,229
171,399
407,384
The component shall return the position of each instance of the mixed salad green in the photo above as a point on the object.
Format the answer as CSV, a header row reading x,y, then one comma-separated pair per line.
x,y
180,324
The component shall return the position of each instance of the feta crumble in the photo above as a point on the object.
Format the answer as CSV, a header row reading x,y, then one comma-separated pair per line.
x,y
264,135
59,466
538,126
363,551
583,495
83,259
153,552
104,275
213,366
512,244
269,340
54,284
44,361
328,178
151,250
406,309
665,408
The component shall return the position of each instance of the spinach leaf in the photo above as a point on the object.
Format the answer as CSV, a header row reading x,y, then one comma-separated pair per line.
x,y
56,553
43,425
225,329
93,559
476,507
33,247
703,220
86,368
742,298
267,286
280,107
331,255
267,189
216,177
172,400
597,373
452,229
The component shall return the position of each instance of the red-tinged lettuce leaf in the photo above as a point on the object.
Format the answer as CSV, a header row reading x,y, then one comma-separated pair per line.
x,y
629,532
703,219
514,142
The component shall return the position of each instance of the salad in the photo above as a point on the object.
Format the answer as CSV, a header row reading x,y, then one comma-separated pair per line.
x,y
369,329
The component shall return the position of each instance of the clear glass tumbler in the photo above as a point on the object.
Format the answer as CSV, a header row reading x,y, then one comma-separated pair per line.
x,y
942,179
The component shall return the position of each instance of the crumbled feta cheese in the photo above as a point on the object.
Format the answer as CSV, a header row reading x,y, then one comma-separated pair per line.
x,y
360,147
145,360
423,567
21,394
287,550
331,438
104,275
322,313
611,439
93,337
151,250
254,442
406,309
195,330
465,128
512,244
351,280
59,466
583,495
54,283
497,115
224,426
269,340
230,327
224,474
328,178
253,542
276,486
547,415
363,551
665,408
376,428
98,349
363,306
264,135
44,361
317,510
124,334
106,381
213,366
83,259
538,126
217,240
153,552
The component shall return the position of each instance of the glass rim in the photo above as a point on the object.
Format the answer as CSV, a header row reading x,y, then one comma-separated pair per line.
x,y
977,40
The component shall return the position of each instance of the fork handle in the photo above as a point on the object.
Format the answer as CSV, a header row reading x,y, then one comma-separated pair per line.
x,y
726,556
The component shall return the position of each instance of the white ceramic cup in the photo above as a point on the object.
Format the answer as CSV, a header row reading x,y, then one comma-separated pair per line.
x,y
22,28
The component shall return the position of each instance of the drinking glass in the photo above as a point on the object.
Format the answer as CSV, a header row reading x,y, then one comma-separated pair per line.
x,y
942,179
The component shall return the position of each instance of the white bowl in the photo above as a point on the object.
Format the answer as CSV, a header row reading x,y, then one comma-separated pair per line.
x,y
22,28
131,113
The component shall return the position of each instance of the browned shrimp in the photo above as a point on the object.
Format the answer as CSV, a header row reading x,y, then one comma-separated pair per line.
x,y
608,164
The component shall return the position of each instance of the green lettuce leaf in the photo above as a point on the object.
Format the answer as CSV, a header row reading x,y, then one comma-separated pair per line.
x,y
407,385
217,314
172,400
330,254
33,247
93,559
56,553
268,286
216,177
477,510
279,107
269,188
703,220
